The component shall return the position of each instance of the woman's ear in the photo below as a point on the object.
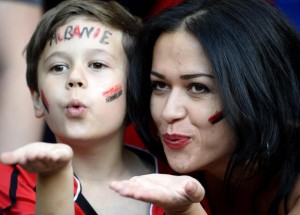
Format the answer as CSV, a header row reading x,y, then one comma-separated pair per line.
x,y
37,104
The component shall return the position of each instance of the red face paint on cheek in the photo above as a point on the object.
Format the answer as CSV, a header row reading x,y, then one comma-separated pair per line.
x,y
216,117
113,93
45,101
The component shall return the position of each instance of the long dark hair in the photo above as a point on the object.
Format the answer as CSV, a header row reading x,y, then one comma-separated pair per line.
x,y
255,56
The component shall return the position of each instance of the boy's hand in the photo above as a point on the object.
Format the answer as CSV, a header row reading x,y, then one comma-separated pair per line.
x,y
176,194
40,157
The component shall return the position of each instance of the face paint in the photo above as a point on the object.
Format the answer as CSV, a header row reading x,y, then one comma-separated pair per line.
x,y
216,117
77,31
113,93
44,100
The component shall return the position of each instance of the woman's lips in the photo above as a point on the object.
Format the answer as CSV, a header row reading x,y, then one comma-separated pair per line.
x,y
176,141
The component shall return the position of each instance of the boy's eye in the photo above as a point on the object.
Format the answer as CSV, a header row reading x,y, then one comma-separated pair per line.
x,y
159,86
96,65
59,68
197,88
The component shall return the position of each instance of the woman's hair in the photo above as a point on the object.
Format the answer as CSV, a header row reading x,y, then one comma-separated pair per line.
x,y
255,56
109,13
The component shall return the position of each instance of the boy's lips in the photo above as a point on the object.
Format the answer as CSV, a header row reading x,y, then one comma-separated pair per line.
x,y
176,141
75,109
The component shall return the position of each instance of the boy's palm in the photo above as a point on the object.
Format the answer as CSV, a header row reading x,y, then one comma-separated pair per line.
x,y
40,157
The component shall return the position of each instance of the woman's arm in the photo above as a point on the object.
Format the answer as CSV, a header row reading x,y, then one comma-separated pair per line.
x,y
294,200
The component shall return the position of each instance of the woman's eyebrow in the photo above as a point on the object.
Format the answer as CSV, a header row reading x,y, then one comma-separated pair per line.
x,y
191,76
158,75
183,77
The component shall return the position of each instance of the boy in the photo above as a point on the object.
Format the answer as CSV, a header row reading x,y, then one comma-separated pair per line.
x,y
77,61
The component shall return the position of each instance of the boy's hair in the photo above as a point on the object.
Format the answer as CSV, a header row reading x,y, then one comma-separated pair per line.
x,y
109,13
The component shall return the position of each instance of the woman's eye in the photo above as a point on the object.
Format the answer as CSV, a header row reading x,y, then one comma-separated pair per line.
x,y
59,68
159,86
197,88
96,65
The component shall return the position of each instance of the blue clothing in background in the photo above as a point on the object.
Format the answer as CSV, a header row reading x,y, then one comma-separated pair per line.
x,y
291,8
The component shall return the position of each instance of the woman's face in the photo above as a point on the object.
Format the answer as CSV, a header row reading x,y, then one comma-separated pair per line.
x,y
186,106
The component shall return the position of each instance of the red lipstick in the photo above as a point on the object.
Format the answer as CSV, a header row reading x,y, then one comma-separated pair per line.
x,y
176,141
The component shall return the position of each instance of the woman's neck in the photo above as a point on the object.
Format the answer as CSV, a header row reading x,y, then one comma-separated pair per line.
x,y
238,198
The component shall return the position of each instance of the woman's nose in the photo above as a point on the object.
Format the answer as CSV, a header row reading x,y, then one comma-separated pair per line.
x,y
175,107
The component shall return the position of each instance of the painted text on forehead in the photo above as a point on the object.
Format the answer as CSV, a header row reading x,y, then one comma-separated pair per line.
x,y
81,31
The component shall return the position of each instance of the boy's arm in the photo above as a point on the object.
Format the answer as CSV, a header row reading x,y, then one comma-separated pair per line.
x,y
52,164
176,194
55,192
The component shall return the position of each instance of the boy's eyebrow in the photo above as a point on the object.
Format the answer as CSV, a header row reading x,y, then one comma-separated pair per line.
x,y
183,77
57,53
95,50
90,51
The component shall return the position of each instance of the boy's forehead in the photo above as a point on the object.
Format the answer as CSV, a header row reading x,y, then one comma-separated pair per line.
x,y
84,21
84,35
85,27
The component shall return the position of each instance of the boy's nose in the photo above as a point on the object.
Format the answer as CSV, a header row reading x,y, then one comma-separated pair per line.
x,y
79,84
77,78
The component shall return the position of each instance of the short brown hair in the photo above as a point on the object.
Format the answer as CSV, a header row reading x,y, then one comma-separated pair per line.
x,y
109,13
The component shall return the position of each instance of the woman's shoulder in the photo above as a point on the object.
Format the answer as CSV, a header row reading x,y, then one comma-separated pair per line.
x,y
293,204
152,163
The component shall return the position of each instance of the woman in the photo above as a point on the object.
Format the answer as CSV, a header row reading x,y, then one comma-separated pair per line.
x,y
217,94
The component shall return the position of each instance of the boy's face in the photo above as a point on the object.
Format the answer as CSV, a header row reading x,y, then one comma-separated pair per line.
x,y
81,78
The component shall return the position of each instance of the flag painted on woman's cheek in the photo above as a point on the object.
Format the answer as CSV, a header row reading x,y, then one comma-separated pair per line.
x,y
216,117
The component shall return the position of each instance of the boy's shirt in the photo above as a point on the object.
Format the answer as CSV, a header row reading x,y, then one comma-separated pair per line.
x,y
17,189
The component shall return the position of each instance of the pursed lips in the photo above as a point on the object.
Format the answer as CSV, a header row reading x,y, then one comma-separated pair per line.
x,y
75,109
176,141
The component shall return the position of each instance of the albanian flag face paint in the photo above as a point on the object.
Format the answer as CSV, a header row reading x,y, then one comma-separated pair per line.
x,y
216,117
113,93
45,101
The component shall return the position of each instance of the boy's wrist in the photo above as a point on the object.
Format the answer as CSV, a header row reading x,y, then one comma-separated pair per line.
x,y
62,171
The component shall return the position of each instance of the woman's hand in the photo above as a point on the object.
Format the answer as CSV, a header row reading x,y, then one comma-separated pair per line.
x,y
176,194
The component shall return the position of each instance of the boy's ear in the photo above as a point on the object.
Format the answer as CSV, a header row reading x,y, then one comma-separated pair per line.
x,y
37,104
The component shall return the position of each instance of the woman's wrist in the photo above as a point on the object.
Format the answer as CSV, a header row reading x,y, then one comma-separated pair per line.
x,y
192,209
